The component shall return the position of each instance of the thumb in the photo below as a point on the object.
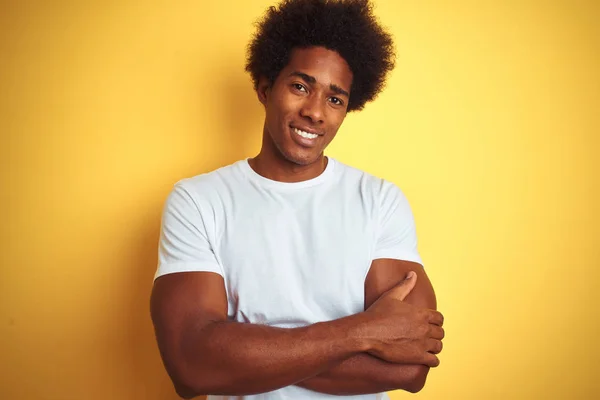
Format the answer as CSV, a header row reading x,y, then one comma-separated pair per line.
x,y
403,289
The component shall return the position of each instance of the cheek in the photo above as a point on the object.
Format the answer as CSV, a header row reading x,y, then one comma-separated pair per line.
x,y
281,109
336,121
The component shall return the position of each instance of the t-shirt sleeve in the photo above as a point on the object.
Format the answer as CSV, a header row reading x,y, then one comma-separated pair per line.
x,y
397,237
184,245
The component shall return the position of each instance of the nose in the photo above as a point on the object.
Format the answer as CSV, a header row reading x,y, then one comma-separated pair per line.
x,y
312,108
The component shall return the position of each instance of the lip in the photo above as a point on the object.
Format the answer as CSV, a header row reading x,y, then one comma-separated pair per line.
x,y
302,141
307,129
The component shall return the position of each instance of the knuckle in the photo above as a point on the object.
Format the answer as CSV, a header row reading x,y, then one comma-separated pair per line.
x,y
435,361
437,333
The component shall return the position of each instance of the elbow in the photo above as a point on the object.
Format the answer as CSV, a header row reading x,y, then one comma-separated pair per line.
x,y
201,384
185,386
416,378
190,390
411,379
185,392
184,389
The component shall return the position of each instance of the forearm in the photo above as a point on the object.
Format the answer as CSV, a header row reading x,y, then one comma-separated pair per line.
x,y
367,374
364,374
230,358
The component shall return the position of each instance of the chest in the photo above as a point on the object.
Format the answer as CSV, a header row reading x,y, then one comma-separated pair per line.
x,y
292,260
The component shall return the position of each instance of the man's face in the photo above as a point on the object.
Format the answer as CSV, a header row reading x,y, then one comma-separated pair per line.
x,y
307,104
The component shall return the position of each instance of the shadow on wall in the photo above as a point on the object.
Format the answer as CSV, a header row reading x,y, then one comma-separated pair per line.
x,y
241,120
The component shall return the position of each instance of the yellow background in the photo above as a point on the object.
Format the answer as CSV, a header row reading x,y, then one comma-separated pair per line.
x,y
490,124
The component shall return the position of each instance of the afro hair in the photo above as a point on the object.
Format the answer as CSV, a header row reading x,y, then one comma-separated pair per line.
x,y
348,27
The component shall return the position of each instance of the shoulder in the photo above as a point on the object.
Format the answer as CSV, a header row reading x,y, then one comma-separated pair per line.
x,y
380,188
208,185
203,192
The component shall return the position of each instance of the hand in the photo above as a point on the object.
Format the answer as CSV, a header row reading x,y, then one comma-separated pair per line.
x,y
402,333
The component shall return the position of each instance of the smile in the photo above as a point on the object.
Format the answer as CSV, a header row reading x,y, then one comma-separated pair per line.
x,y
305,135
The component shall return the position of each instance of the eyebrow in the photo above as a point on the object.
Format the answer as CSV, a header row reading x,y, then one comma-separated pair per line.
x,y
312,80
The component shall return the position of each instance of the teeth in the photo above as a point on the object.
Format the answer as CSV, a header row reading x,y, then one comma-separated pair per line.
x,y
305,134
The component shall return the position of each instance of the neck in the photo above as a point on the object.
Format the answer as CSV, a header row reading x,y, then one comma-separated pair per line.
x,y
271,164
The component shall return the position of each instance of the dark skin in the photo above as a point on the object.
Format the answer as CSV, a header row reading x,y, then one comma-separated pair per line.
x,y
366,373
391,345
311,93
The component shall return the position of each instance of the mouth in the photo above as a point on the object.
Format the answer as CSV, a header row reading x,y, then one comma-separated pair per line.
x,y
306,133
305,137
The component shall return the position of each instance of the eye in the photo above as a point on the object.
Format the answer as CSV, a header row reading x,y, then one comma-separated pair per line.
x,y
336,101
299,87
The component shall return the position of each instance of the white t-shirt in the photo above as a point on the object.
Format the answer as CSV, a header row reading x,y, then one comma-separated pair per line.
x,y
291,254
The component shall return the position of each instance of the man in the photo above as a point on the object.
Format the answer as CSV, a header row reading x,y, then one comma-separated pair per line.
x,y
291,275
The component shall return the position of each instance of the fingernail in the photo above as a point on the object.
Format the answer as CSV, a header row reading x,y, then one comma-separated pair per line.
x,y
410,275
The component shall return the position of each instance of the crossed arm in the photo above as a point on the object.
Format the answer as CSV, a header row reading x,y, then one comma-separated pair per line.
x,y
364,373
204,353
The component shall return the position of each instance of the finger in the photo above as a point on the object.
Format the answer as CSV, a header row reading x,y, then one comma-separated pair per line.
x,y
403,289
431,360
436,318
435,346
436,332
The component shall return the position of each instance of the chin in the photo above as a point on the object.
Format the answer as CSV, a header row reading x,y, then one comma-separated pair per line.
x,y
301,159
295,154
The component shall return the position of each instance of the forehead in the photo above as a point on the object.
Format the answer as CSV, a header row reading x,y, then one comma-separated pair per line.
x,y
325,65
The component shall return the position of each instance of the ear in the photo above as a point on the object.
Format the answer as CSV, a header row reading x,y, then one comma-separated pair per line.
x,y
262,90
